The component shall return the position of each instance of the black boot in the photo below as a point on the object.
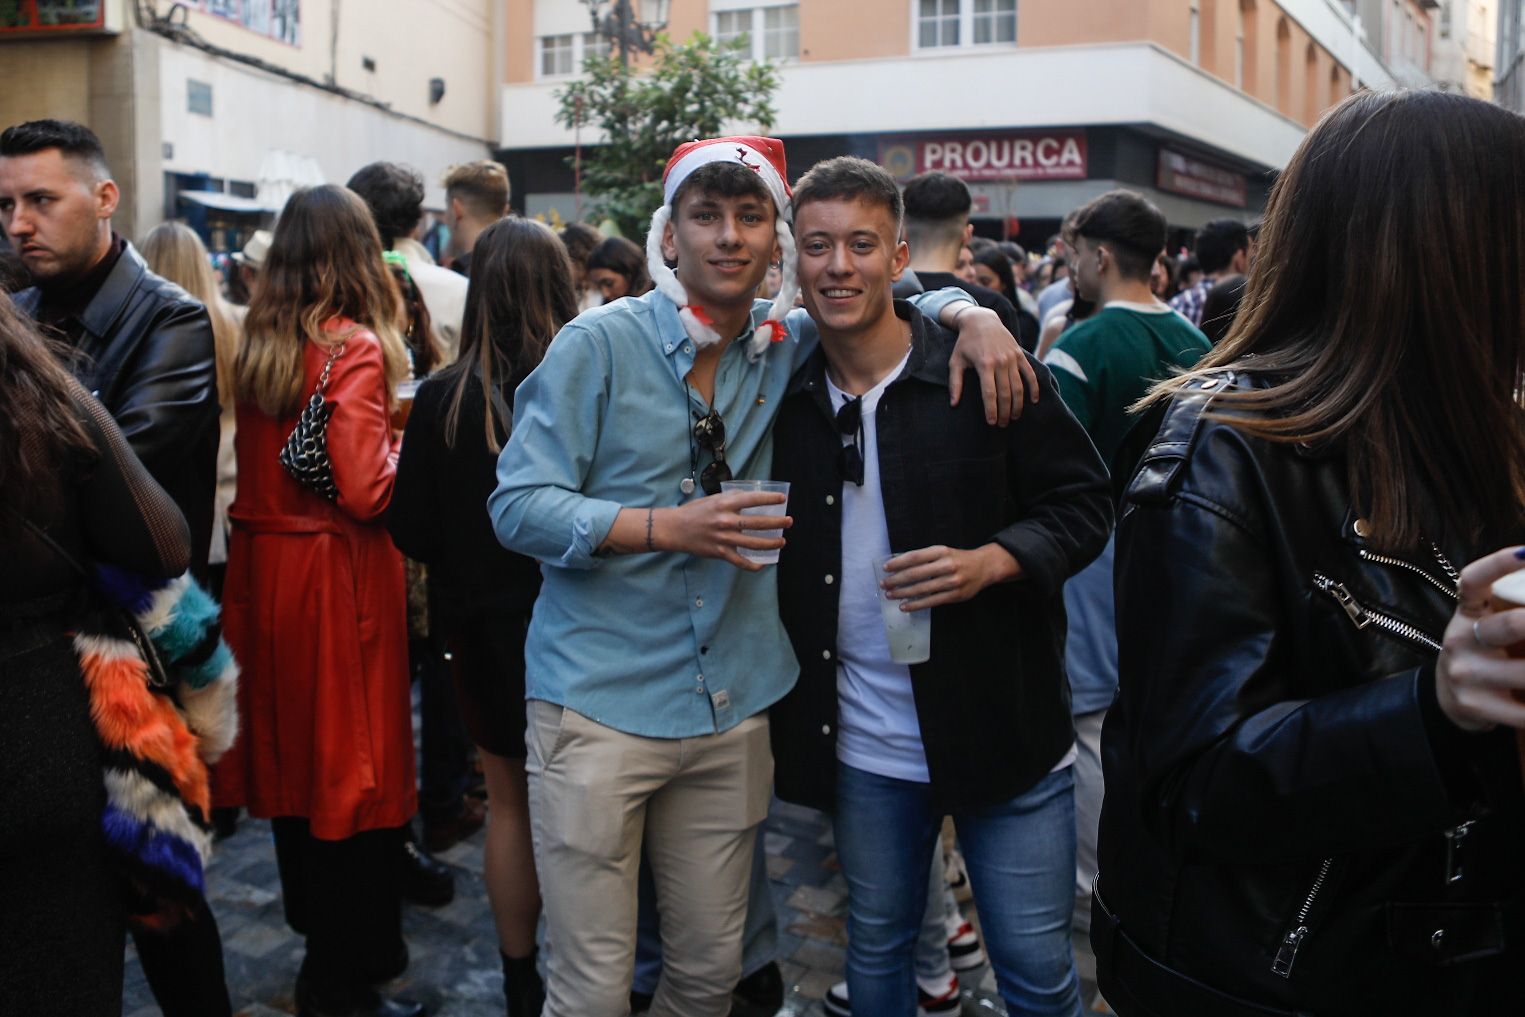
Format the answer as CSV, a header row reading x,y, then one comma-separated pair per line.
x,y
522,989
760,994
425,881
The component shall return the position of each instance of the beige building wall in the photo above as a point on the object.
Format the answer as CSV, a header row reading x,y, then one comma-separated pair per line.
x,y
410,41
864,30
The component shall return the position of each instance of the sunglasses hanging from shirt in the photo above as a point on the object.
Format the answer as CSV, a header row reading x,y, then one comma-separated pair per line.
x,y
708,434
850,424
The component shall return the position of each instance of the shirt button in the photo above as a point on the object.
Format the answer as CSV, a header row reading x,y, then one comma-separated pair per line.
x,y
831,499
830,580
826,729
688,349
669,347
699,678
698,601
825,654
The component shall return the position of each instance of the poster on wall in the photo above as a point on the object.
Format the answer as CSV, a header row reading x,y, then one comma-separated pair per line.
x,y
275,19
24,17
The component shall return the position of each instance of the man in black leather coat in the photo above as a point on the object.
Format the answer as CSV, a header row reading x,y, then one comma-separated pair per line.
x,y
145,344
146,353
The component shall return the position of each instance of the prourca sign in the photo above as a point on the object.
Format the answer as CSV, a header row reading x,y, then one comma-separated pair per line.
x,y
1009,155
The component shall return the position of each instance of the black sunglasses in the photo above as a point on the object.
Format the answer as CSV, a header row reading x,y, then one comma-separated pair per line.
x,y
709,434
850,422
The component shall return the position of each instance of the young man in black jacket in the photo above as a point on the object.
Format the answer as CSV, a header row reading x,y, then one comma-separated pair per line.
x,y
987,523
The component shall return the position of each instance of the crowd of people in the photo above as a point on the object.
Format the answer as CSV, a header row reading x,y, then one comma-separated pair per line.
x,y
1206,546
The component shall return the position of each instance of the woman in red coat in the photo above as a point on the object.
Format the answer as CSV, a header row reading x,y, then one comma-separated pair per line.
x,y
314,604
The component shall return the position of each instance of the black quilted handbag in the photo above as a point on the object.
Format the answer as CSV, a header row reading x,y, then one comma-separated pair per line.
x,y
305,455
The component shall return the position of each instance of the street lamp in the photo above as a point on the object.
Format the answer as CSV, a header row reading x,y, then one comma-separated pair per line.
x,y
621,22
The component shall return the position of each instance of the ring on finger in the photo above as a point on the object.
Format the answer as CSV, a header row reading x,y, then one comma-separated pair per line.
x,y
1478,635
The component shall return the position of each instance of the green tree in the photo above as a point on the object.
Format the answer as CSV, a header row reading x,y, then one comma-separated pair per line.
x,y
691,90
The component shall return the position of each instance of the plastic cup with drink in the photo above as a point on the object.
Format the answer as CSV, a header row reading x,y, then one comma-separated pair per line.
x,y
909,632
406,390
1509,595
766,487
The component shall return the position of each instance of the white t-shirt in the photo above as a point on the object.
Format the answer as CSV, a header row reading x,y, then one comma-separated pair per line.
x,y
877,727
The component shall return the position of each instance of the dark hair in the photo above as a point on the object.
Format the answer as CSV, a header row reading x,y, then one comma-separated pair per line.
x,y
1219,241
395,196
14,276
937,197
722,180
579,240
1409,358
1013,250
1129,224
74,140
39,424
520,297
418,326
1221,307
847,178
991,257
617,254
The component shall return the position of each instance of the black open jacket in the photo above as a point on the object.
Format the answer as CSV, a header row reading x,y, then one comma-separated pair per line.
x,y
1291,824
993,702
148,356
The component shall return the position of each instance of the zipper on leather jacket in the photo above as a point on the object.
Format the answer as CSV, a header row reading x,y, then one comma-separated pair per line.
x,y
1455,837
1286,954
1362,616
1449,589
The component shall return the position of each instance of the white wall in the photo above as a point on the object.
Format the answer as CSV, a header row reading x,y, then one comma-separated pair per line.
x,y
254,113
1131,83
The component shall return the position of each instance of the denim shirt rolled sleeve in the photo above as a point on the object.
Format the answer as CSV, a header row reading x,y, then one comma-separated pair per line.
x,y
538,508
660,645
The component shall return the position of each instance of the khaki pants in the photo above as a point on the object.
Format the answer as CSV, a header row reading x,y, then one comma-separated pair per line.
x,y
595,795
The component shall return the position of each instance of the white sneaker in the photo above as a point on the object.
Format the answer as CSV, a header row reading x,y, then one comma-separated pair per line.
x,y
964,951
933,997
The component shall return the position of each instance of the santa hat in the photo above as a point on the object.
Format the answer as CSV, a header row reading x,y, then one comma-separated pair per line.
x,y
765,157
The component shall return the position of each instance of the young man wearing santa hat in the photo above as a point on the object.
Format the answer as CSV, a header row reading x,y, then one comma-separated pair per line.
x,y
656,647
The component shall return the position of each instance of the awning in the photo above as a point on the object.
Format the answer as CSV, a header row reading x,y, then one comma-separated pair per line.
x,y
225,202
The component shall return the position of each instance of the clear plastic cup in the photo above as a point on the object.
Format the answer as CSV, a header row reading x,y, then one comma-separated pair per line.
x,y
909,632
768,487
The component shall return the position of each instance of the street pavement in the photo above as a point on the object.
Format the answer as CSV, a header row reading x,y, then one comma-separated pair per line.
x,y
455,969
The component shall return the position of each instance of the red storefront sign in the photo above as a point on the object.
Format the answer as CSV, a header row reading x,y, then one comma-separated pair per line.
x,y
1183,174
1015,155
24,17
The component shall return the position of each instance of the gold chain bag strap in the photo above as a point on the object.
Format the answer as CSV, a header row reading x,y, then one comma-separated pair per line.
x,y
305,454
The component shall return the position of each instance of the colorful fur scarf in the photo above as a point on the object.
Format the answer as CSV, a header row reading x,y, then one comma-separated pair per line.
x,y
159,740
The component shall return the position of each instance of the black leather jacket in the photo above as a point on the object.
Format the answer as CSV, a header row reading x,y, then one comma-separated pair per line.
x,y
149,358
1291,825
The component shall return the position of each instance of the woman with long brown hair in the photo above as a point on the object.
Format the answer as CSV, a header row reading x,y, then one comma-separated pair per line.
x,y
174,251
314,603
71,490
521,294
617,267
1314,802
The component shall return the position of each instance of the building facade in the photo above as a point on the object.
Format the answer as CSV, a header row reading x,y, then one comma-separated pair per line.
x,y
1509,62
211,111
1462,57
1039,104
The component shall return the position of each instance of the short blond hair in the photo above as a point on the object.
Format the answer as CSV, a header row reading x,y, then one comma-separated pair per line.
x,y
481,187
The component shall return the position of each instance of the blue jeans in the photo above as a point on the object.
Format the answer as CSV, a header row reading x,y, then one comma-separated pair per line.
x,y
1020,856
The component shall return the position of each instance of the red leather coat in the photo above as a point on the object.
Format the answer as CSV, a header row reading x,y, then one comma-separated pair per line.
x,y
314,610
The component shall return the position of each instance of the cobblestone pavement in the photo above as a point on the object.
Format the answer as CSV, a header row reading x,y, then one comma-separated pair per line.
x,y
455,969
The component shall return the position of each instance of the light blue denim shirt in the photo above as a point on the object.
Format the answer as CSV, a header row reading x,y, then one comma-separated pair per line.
x,y
658,645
